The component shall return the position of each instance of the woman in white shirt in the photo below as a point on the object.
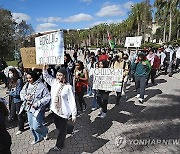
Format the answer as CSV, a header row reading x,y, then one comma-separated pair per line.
x,y
62,103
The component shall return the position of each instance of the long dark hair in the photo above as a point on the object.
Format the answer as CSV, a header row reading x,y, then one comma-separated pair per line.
x,y
3,108
34,75
13,80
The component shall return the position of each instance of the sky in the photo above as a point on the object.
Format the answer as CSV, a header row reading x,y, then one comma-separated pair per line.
x,y
45,15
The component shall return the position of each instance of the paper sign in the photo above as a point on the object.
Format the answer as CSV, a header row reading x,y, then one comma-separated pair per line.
x,y
107,79
133,41
50,48
28,56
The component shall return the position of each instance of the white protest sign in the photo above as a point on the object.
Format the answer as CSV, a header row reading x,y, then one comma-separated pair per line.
x,y
133,41
107,79
50,48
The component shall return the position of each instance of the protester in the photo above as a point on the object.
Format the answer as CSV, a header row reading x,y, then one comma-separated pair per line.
x,y
102,95
155,64
177,58
35,96
122,62
15,86
3,65
5,138
169,60
90,67
141,68
81,82
104,56
69,66
62,103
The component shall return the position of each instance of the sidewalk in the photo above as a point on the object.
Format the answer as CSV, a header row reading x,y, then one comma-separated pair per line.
x,y
123,130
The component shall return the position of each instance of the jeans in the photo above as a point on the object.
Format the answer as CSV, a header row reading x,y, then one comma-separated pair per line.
x,y
140,82
36,125
15,107
89,90
81,99
61,125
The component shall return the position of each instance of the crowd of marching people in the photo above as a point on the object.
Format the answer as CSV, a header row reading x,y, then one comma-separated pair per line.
x,y
58,88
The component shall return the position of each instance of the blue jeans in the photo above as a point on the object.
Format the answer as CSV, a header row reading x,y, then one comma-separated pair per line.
x,y
36,126
90,91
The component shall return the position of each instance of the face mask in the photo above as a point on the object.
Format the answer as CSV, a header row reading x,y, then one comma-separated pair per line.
x,y
11,75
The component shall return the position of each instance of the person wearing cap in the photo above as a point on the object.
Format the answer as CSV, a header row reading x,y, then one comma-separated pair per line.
x,y
62,104
5,138
141,68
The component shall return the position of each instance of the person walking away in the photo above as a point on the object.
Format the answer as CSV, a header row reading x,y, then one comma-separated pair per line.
x,y
5,139
81,82
62,103
155,64
35,97
142,68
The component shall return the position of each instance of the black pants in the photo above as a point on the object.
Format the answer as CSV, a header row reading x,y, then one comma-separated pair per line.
x,y
61,125
15,107
5,151
152,75
177,62
81,99
118,97
102,99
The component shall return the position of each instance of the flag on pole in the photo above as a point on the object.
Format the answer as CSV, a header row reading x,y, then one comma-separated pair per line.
x,y
111,42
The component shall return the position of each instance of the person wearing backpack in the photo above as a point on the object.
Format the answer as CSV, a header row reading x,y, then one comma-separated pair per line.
x,y
141,68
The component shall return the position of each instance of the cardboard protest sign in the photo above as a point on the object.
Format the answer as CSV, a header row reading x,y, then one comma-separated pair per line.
x,y
133,41
28,56
50,48
107,79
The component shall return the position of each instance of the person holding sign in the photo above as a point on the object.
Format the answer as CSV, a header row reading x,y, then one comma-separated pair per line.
x,y
62,105
142,68
102,95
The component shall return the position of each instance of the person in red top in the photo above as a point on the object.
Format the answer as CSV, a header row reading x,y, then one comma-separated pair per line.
x,y
104,56
155,64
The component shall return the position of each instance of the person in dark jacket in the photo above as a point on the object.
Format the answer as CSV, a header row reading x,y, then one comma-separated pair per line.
x,y
5,139
142,68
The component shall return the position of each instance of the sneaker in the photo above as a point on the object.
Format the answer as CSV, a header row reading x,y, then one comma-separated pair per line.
x,y
137,96
56,148
103,115
100,113
93,108
33,142
46,137
19,132
140,100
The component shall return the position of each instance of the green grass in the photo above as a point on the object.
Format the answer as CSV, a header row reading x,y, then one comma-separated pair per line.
x,y
12,63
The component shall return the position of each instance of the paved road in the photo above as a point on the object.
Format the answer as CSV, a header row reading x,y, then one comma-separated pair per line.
x,y
128,128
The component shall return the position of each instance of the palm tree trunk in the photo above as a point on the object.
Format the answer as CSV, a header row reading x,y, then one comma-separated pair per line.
x,y
138,29
178,33
170,23
164,34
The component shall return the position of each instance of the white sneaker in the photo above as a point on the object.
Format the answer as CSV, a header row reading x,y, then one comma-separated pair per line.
x,y
103,115
19,132
137,96
93,108
46,138
140,100
33,142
